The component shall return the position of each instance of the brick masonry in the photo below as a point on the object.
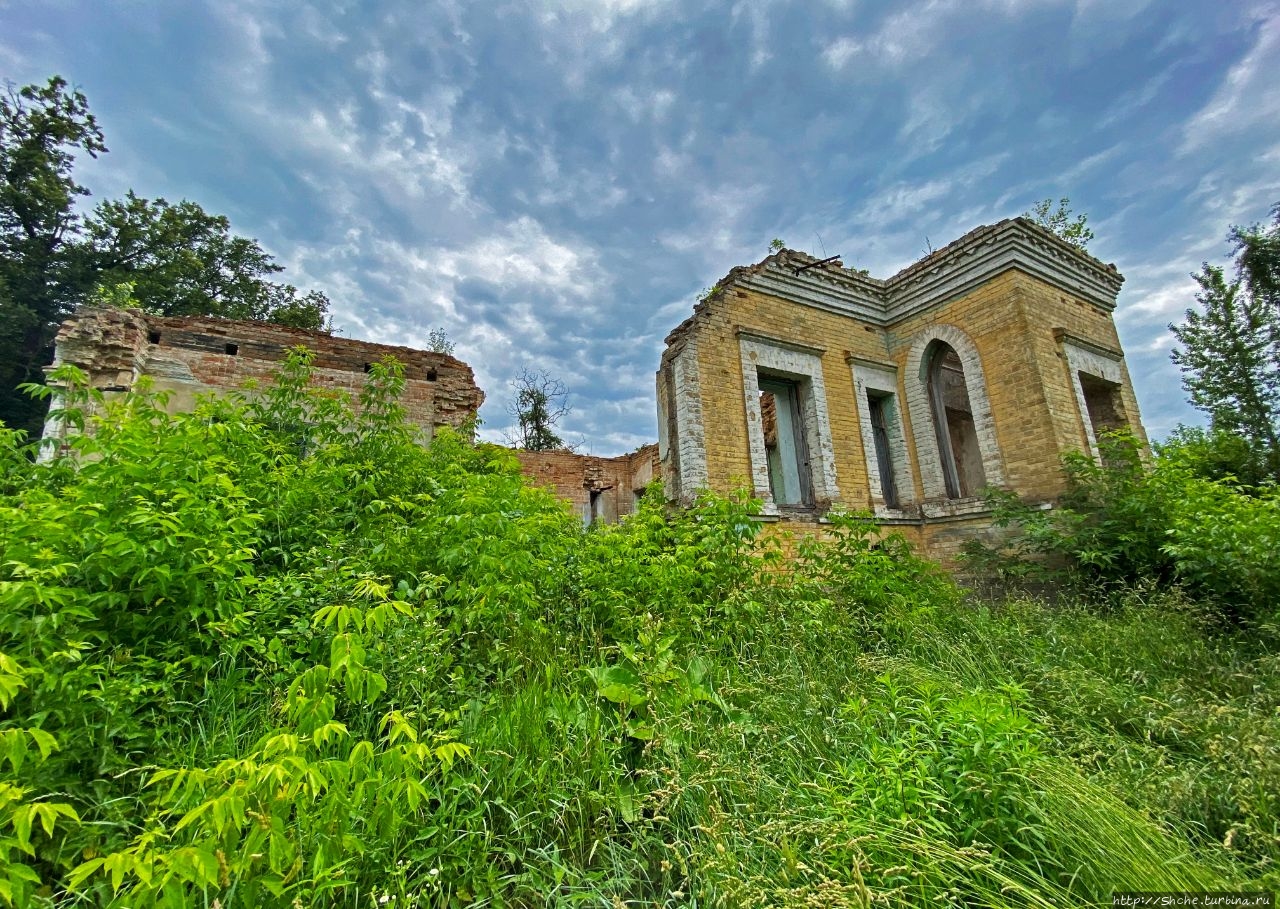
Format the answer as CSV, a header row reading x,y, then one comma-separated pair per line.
x,y
597,489
191,356
1025,312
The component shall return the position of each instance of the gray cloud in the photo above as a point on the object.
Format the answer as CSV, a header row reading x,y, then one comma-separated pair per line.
x,y
553,183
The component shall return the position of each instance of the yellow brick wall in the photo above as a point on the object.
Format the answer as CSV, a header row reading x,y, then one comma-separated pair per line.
x,y
724,409
992,317
1011,319
1048,309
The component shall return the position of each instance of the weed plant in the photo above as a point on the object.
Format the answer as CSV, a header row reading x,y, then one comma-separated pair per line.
x,y
276,652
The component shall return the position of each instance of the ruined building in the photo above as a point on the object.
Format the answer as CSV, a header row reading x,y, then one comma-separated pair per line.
x,y
815,385
597,489
810,384
187,356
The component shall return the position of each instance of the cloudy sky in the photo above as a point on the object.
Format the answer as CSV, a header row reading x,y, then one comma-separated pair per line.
x,y
553,183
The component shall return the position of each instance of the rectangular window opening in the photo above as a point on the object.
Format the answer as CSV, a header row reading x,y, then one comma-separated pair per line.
x,y
153,337
232,349
1102,401
786,449
876,407
598,508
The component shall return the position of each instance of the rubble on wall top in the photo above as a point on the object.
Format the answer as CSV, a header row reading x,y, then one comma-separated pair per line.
x,y
1018,239
286,336
1041,237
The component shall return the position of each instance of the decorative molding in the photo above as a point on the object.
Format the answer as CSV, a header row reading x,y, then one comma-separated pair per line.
x,y
750,334
690,441
987,252
867,362
840,297
950,272
883,378
805,365
1064,337
954,509
1090,359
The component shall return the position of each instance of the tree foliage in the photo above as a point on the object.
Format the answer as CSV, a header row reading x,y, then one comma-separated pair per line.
x,y
1060,222
179,259
183,261
1229,348
438,340
1124,520
1257,250
42,129
540,403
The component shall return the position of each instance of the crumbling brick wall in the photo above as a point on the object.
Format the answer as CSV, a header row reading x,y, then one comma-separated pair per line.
x,y
193,355
597,489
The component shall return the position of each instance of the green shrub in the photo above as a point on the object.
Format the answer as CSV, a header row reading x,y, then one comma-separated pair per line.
x,y
276,652
1123,520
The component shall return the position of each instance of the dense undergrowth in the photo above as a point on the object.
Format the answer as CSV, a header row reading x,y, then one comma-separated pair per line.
x,y
274,654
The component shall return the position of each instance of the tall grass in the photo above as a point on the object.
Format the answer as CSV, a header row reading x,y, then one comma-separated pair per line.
x,y
421,683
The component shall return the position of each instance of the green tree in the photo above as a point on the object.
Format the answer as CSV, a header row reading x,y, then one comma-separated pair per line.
x,y
1061,223
1257,252
183,261
438,341
179,259
42,129
540,403
1229,349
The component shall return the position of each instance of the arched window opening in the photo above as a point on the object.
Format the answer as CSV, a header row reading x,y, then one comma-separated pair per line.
x,y
954,425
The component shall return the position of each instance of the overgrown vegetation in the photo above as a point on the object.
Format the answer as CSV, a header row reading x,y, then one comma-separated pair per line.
x,y
1183,520
170,259
1229,348
275,653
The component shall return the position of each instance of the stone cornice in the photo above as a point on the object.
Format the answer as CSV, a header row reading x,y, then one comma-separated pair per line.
x,y
856,360
1062,336
979,255
830,289
749,334
985,252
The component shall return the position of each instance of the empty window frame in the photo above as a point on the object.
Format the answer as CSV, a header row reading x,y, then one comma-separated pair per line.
x,y
953,423
801,435
785,445
1097,379
884,446
1102,403
877,405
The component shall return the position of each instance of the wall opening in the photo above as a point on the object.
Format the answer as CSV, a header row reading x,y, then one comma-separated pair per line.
x,y
1102,401
953,423
153,337
231,349
786,448
877,404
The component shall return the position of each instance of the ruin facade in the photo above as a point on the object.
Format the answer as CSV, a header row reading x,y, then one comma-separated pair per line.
x,y
811,385
599,490
817,386
188,356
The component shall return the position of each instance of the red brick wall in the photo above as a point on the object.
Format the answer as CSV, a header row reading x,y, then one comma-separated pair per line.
x,y
189,356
